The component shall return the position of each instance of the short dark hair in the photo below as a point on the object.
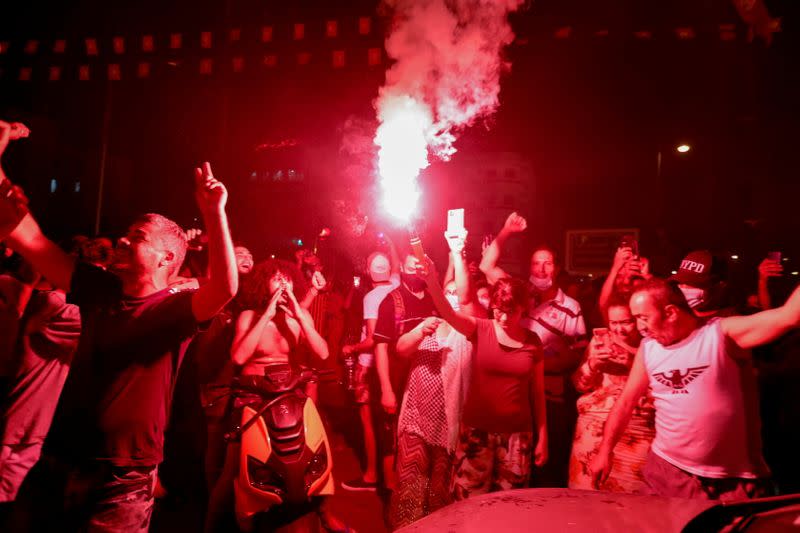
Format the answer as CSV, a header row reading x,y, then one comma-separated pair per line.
x,y
664,293
509,293
172,236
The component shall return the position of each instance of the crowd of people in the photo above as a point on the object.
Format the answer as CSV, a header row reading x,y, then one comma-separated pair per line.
x,y
462,384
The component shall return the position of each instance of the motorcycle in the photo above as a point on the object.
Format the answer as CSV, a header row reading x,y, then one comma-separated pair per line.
x,y
285,462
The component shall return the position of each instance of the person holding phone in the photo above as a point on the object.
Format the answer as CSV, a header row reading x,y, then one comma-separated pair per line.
x,y
600,379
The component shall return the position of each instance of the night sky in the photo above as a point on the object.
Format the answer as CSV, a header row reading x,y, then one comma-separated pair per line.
x,y
590,111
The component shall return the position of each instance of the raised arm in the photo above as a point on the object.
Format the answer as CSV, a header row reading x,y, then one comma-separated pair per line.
x,y
491,256
463,323
19,228
622,256
409,342
764,327
457,243
767,269
223,278
617,422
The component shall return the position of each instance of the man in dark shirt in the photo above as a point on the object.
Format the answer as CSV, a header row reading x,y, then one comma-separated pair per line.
x,y
106,440
400,312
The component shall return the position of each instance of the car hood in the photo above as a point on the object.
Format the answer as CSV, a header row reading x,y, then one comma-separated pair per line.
x,y
562,510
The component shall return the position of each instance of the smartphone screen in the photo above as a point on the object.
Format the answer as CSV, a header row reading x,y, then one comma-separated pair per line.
x,y
774,256
455,220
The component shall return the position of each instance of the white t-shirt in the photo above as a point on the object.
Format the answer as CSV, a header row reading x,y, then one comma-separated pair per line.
x,y
707,420
372,301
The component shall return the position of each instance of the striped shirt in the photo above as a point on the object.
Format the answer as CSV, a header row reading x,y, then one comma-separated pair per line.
x,y
559,324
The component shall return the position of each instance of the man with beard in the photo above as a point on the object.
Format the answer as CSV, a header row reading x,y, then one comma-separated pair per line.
x,y
558,321
401,311
98,469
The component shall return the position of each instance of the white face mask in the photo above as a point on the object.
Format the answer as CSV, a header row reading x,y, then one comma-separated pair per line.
x,y
541,284
694,296
452,299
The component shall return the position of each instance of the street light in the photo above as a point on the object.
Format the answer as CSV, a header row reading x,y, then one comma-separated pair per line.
x,y
683,148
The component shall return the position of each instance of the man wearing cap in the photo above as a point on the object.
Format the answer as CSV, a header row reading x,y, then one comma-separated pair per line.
x,y
700,374
701,279
385,275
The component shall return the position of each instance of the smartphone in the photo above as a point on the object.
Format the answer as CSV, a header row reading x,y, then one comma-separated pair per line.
x,y
774,256
455,220
356,281
629,241
601,334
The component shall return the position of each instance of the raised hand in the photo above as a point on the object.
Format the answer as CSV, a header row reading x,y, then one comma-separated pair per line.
x,y
210,193
456,240
13,207
487,241
623,255
318,281
515,223
769,268
11,131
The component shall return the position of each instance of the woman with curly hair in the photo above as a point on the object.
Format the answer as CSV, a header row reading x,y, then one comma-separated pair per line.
x,y
274,324
272,329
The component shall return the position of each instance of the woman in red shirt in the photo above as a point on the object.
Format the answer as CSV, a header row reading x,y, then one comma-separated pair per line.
x,y
505,403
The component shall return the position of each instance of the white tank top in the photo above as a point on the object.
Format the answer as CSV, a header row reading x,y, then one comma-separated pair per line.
x,y
707,420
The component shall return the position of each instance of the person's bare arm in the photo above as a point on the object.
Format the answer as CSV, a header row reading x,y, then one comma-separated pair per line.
x,y
620,258
318,283
539,413
223,277
388,399
617,421
314,340
409,342
491,256
767,269
764,327
249,330
369,341
463,323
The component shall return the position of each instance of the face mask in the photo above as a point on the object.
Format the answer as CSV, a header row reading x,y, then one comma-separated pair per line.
x,y
694,296
452,299
541,284
484,302
413,282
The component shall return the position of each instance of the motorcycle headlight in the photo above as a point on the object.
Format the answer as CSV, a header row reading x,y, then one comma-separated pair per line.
x,y
264,478
316,467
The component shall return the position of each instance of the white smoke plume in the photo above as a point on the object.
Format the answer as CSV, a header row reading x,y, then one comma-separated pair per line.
x,y
448,59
